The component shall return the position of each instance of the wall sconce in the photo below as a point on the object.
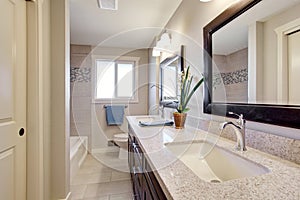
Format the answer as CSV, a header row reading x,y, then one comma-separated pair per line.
x,y
163,43
155,52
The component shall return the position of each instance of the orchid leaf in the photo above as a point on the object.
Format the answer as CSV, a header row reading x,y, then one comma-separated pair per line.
x,y
193,91
186,93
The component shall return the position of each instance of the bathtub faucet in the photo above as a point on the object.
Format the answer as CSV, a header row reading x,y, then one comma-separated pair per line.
x,y
239,129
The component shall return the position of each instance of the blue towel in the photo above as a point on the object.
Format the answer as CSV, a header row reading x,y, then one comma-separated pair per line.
x,y
115,114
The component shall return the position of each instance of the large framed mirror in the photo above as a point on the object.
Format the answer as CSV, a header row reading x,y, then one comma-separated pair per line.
x,y
252,62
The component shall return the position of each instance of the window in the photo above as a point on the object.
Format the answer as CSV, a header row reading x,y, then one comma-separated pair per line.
x,y
116,80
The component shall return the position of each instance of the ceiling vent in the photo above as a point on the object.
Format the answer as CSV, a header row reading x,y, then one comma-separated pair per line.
x,y
108,4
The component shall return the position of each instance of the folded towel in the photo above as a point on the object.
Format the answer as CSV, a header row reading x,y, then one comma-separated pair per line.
x,y
157,123
114,114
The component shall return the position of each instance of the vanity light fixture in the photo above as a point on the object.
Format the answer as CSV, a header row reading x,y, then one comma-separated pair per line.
x,y
163,43
205,0
108,4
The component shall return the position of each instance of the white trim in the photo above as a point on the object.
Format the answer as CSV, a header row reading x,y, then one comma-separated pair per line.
x,y
68,197
255,53
115,101
282,59
37,91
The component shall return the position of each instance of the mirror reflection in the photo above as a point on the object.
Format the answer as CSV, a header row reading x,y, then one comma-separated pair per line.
x,y
170,70
256,56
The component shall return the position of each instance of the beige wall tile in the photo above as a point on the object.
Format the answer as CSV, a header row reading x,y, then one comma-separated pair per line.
x,y
80,49
81,89
81,103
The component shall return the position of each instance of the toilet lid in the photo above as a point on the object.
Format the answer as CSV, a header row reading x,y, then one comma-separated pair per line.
x,y
121,136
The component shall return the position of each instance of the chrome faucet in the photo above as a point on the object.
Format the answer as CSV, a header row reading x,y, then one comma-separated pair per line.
x,y
239,129
172,104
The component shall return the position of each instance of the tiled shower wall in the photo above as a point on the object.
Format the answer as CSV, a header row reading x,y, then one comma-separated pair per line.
x,y
231,74
80,123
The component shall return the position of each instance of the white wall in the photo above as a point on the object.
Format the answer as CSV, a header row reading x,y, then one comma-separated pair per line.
x,y
60,99
270,51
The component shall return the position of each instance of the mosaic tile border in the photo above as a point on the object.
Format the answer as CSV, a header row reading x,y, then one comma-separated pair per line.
x,y
235,77
81,74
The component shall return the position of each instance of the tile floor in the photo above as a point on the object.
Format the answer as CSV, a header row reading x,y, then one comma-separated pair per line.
x,y
102,176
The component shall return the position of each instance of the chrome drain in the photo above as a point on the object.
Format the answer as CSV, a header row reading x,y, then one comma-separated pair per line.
x,y
215,181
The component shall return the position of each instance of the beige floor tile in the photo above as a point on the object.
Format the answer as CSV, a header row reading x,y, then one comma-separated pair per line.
x,y
92,169
104,177
124,196
111,159
78,191
102,189
91,161
81,179
118,176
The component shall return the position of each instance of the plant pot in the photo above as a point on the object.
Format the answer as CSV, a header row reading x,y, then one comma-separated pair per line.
x,y
179,119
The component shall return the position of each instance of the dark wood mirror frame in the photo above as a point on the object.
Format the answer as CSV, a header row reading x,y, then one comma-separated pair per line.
x,y
281,115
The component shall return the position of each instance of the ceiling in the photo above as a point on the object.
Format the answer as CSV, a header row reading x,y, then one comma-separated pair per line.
x,y
134,25
234,36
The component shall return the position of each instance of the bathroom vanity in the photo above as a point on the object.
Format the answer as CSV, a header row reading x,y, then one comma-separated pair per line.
x,y
163,166
144,182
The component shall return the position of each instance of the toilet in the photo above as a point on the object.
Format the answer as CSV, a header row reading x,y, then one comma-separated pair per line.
x,y
122,141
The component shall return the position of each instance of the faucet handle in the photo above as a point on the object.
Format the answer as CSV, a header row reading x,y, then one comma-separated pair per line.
x,y
240,116
241,120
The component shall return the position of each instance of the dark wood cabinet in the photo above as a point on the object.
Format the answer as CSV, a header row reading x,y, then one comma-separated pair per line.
x,y
144,182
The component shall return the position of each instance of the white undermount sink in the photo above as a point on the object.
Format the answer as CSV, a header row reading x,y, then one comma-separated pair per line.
x,y
214,164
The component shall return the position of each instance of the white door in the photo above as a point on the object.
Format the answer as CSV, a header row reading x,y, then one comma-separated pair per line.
x,y
294,68
12,99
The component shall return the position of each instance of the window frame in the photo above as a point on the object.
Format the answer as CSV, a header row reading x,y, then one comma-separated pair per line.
x,y
116,60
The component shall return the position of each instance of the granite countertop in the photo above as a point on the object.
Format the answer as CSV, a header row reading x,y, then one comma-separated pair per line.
x,y
179,182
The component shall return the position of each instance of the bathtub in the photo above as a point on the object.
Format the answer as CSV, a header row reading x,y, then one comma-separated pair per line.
x,y
78,152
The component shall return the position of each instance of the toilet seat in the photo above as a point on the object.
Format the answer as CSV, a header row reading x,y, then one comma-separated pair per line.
x,y
121,137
